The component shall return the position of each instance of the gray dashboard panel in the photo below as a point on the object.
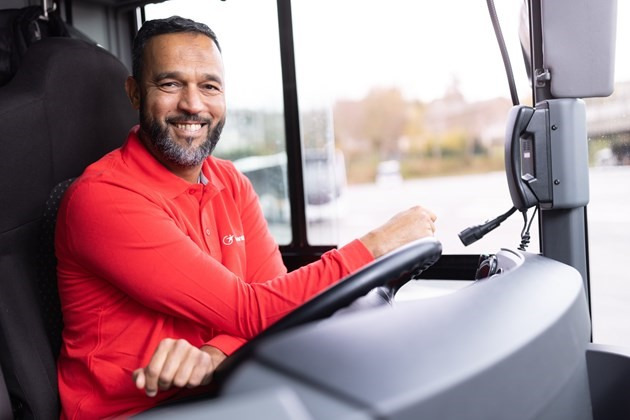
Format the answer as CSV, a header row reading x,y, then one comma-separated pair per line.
x,y
511,346
271,403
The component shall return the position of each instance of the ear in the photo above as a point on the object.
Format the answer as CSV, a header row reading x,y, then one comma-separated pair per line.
x,y
133,91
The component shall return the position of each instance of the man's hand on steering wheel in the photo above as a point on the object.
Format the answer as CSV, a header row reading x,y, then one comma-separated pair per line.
x,y
409,225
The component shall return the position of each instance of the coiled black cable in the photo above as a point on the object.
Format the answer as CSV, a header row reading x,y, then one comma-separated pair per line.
x,y
525,236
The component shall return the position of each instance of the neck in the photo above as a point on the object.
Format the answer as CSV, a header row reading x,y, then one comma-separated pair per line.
x,y
188,174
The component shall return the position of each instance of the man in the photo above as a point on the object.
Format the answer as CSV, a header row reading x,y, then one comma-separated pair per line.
x,y
153,300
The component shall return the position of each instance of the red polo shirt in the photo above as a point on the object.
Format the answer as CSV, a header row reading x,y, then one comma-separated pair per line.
x,y
144,255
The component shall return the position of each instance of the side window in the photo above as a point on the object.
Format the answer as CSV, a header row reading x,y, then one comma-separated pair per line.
x,y
608,123
254,136
405,103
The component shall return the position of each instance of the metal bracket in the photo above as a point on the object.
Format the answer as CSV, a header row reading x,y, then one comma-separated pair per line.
x,y
46,9
542,77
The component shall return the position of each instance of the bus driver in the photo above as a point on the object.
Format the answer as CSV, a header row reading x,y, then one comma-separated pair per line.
x,y
153,299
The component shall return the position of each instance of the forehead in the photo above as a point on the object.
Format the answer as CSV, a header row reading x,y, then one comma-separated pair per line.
x,y
182,51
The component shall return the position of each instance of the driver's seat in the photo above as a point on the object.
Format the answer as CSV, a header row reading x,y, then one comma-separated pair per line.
x,y
64,108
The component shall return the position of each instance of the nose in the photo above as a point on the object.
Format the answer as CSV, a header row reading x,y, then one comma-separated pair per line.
x,y
191,101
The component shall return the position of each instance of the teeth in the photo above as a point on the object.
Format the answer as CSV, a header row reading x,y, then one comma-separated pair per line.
x,y
189,127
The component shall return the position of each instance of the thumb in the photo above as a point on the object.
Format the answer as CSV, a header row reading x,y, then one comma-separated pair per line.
x,y
139,378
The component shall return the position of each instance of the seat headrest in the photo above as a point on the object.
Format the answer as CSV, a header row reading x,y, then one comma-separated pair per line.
x,y
65,107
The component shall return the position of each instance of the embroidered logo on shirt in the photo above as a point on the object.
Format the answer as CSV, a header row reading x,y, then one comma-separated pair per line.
x,y
230,239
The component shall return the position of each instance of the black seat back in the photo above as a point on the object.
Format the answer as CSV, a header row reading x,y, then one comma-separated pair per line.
x,y
64,108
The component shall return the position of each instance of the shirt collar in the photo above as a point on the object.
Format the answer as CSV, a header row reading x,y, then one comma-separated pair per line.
x,y
202,178
152,173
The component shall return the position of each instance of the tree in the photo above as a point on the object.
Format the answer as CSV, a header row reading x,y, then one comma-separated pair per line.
x,y
383,117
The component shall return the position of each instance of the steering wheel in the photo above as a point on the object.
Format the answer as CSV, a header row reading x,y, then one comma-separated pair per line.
x,y
391,270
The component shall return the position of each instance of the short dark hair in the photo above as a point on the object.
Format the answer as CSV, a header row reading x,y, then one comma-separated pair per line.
x,y
171,25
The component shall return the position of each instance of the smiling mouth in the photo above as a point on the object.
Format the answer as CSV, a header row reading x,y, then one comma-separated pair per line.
x,y
189,127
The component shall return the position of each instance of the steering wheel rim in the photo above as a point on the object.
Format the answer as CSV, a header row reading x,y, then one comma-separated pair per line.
x,y
393,270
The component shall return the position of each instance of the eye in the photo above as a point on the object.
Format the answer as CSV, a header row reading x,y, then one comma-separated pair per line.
x,y
211,87
168,85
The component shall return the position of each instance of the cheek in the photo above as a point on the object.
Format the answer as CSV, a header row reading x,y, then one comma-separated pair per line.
x,y
160,111
216,106
160,105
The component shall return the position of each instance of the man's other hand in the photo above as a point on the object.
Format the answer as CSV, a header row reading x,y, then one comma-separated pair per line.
x,y
177,363
406,226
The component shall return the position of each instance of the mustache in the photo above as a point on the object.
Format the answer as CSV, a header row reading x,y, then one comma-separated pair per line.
x,y
184,117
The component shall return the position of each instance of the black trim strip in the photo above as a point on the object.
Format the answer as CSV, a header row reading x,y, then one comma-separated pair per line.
x,y
535,30
292,127
298,253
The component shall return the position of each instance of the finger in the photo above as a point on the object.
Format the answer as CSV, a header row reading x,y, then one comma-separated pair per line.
x,y
432,216
176,356
186,367
202,372
153,370
424,224
139,378
424,229
428,230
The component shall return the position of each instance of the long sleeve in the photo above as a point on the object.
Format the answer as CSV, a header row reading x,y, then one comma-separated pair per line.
x,y
135,244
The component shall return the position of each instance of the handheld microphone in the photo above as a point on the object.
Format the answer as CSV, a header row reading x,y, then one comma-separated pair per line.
x,y
474,233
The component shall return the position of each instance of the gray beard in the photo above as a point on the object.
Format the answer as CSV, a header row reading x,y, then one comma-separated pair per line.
x,y
172,151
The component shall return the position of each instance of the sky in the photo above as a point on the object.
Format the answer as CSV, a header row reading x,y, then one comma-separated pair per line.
x,y
420,46
346,47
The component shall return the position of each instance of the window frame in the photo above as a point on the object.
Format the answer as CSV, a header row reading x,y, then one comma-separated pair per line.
x,y
298,252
